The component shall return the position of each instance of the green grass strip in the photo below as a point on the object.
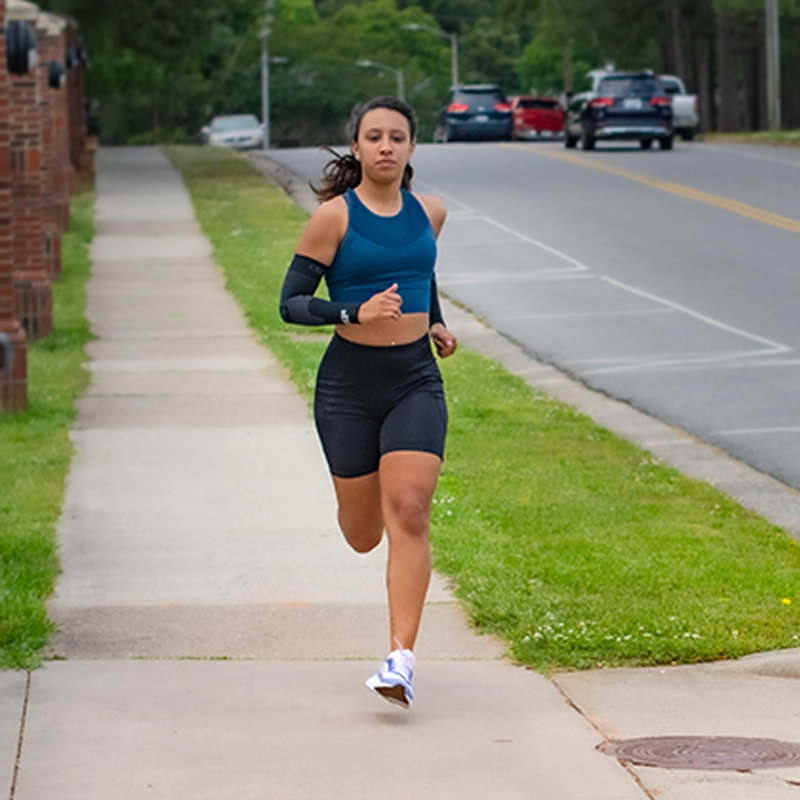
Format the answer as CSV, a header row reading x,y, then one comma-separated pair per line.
x,y
575,547
37,452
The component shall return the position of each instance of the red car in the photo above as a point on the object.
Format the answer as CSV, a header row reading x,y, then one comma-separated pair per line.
x,y
537,116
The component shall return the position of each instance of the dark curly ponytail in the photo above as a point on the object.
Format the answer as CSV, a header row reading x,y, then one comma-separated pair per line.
x,y
343,172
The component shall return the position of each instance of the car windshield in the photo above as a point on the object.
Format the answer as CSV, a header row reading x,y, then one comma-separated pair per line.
x,y
625,87
486,97
234,124
528,102
670,87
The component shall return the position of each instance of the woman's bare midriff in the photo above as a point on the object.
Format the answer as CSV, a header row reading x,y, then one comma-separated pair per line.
x,y
408,328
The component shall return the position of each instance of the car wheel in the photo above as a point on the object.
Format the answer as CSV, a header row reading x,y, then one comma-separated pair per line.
x,y
587,140
646,144
666,143
570,141
687,134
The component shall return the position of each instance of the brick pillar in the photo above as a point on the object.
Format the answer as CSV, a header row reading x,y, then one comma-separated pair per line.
x,y
76,63
47,42
13,351
32,289
63,173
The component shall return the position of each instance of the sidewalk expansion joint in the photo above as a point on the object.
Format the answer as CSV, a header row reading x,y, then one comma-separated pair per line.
x,y
21,738
627,767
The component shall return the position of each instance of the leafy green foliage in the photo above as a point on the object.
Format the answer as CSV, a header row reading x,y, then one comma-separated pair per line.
x,y
162,68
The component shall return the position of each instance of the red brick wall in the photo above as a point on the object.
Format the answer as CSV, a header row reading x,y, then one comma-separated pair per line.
x,y
33,293
13,358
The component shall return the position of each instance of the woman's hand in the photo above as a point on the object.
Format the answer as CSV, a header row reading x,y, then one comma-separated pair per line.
x,y
443,340
382,306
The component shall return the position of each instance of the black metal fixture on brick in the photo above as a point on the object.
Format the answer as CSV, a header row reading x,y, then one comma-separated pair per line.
x,y
6,354
56,74
21,55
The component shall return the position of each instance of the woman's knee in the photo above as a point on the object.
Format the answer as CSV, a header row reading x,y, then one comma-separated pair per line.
x,y
409,510
360,516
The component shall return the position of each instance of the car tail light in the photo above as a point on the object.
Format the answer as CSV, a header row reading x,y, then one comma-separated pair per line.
x,y
502,107
458,108
601,102
660,101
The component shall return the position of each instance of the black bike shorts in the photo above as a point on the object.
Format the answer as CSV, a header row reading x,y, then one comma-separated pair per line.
x,y
375,400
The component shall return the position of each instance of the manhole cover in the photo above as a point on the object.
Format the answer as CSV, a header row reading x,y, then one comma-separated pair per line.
x,y
706,752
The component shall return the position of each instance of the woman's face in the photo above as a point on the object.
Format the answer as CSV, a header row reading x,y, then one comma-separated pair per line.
x,y
384,145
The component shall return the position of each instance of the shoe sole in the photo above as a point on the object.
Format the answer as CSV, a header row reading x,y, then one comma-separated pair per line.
x,y
394,694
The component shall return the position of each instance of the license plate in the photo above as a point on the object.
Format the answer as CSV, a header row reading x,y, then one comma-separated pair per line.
x,y
632,103
481,118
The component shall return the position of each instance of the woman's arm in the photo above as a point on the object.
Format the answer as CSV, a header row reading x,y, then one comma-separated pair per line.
x,y
315,251
444,341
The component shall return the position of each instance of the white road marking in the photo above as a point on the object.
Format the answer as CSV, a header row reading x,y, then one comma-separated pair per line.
x,y
757,431
628,364
774,347
589,314
543,275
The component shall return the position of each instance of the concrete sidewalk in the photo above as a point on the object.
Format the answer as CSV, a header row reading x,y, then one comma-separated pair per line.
x,y
216,631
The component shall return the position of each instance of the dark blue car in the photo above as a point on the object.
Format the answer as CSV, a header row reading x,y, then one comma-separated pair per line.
x,y
475,112
625,106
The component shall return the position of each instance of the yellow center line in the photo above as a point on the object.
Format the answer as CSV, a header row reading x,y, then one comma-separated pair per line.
x,y
787,223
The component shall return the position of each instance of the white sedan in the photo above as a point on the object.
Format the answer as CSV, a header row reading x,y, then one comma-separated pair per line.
x,y
240,131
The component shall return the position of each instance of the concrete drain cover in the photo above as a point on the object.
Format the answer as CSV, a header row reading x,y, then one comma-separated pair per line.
x,y
706,752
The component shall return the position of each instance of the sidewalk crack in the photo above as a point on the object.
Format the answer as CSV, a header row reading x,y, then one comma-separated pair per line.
x,y
21,739
625,765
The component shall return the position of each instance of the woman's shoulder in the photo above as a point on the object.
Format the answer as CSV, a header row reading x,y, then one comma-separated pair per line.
x,y
330,215
434,208
325,230
332,209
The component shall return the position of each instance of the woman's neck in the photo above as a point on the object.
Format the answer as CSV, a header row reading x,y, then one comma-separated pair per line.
x,y
383,199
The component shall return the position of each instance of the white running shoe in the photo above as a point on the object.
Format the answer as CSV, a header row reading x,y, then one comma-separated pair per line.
x,y
393,679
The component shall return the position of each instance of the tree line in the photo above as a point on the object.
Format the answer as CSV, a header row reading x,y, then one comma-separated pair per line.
x,y
160,69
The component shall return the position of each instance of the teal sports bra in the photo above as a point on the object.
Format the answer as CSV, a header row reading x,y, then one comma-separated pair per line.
x,y
378,251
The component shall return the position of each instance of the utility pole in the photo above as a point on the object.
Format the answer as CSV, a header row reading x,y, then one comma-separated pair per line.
x,y
773,45
569,80
451,37
268,6
454,59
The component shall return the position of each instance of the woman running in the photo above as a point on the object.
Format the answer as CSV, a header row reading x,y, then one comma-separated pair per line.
x,y
379,404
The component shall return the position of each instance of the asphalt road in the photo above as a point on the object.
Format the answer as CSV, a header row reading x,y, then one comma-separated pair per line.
x,y
668,280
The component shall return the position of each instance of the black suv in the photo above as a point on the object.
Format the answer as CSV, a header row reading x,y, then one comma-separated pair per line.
x,y
625,105
474,112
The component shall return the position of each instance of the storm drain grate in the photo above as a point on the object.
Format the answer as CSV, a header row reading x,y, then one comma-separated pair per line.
x,y
706,752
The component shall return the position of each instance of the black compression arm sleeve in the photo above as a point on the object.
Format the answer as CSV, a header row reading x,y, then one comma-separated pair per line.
x,y
435,314
298,304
